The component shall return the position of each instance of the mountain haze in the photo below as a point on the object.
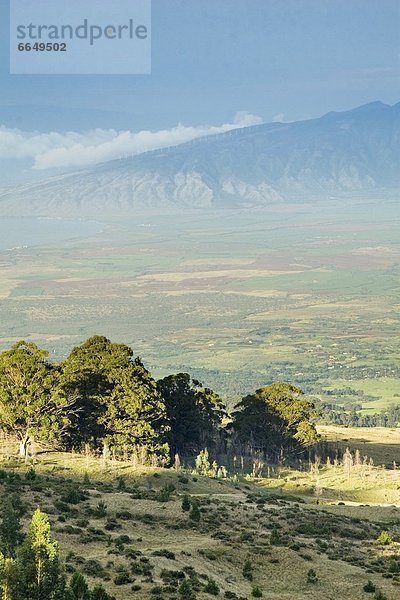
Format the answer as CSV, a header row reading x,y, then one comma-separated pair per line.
x,y
340,154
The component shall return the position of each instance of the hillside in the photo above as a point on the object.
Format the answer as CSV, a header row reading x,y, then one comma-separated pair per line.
x,y
115,527
340,154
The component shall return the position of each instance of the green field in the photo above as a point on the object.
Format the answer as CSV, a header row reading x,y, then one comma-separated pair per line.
x,y
305,293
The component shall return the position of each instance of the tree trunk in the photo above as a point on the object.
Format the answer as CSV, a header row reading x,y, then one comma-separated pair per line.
x,y
24,447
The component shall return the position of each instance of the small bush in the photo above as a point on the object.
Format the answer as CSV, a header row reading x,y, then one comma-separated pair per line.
x,y
248,570
124,515
384,538
194,514
256,591
208,554
123,539
30,475
186,505
369,587
121,485
111,525
211,588
164,495
312,576
166,553
122,578
72,495
100,511
186,591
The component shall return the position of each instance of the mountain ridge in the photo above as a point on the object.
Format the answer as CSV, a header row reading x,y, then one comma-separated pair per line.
x,y
338,154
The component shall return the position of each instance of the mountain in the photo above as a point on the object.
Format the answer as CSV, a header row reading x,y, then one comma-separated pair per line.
x,y
340,154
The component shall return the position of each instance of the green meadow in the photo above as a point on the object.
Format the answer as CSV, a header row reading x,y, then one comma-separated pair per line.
x,y
306,293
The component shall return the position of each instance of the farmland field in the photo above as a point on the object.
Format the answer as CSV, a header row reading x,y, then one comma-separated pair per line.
x,y
303,293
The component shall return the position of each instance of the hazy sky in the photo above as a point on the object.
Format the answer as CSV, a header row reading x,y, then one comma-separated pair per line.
x,y
212,58
275,59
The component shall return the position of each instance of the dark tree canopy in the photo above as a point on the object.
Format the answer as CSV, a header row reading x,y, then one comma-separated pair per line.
x,y
104,397
194,413
277,416
116,396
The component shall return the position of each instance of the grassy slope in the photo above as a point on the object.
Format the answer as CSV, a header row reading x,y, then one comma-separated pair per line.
x,y
337,541
382,444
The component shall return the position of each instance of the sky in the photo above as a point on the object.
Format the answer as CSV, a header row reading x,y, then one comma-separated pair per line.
x,y
216,64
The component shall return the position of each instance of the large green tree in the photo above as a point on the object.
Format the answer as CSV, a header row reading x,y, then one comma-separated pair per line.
x,y
194,413
116,397
275,417
31,404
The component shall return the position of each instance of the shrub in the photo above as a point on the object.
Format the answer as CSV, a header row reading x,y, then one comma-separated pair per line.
x,y
312,576
166,553
72,495
185,590
256,591
275,537
211,587
186,503
124,515
369,587
121,485
122,578
123,539
111,525
100,511
208,554
30,475
194,514
164,495
93,568
380,596
248,570
384,538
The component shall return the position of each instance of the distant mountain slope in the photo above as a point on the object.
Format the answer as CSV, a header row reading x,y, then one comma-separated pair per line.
x,y
338,154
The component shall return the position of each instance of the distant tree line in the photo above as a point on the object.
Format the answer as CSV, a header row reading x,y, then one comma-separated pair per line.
x,y
333,414
103,399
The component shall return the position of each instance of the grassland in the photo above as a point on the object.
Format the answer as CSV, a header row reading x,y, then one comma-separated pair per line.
x,y
304,293
382,444
140,546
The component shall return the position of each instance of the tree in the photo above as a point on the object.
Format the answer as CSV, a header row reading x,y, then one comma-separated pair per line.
x,y
194,413
10,528
195,514
276,417
31,405
79,587
40,574
84,376
8,578
118,402
99,593
186,503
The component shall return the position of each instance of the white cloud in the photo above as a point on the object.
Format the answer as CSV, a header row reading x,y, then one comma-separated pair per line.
x,y
72,149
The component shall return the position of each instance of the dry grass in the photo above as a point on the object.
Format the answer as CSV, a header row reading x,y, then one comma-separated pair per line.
x,y
382,444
